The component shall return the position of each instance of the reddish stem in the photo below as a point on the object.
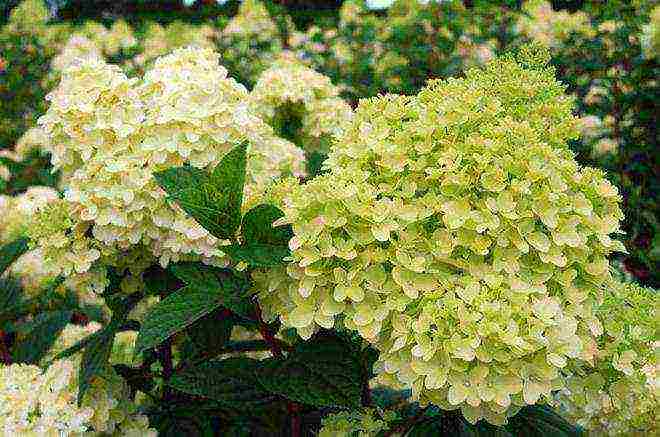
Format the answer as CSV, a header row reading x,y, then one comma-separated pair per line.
x,y
5,356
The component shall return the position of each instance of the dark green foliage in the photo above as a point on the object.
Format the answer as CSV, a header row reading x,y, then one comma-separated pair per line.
x,y
232,382
207,288
11,252
322,372
40,336
532,421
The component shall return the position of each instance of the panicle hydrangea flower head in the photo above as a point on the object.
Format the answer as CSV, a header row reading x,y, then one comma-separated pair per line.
x,y
252,19
650,38
29,14
161,40
289,88
552,28
456,232
76,48
109,134
16,211
620,393
44,402
364,423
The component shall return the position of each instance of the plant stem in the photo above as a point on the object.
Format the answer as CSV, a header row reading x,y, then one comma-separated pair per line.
x,y
5,356
165,357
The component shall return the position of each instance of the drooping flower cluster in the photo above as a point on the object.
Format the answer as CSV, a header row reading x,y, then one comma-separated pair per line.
x,y
456,232
542,24
365,423
290,89
620,393
37,402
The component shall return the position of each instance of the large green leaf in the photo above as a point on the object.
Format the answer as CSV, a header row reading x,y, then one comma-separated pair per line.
x,y
232,288
173,314
323,372
539,421
257,226
229,177
232,382
11,251
43,332
207,288
215,199
94,361
263,245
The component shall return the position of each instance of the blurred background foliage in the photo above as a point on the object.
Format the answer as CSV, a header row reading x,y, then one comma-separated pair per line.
x,y
605,52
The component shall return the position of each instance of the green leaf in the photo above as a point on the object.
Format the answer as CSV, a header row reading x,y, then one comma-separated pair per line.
x,y
41,336
539,421
11,293
211,332
232,382
94,361
322,372
213,200
229,176
10,253
231,288
173,314
257,226
263,245
159,281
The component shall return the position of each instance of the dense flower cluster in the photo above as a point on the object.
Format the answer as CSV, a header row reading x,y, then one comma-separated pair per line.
x,y
250,42
109,134
619,394
16,211
552,28
38,402
365,423
77,48
456,232
288,89
651,36
161,40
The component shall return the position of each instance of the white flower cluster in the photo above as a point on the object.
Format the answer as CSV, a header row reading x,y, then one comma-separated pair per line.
x,y
16,211
34,402
109,134
650,38
160,40
456,232
620,393
552,28
363,423
76,49
313,96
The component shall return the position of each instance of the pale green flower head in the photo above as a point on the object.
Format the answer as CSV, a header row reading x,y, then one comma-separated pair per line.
x,y
361,423
456,232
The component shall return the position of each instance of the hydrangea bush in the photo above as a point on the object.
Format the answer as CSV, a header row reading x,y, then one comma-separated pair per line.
x,y
209,259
